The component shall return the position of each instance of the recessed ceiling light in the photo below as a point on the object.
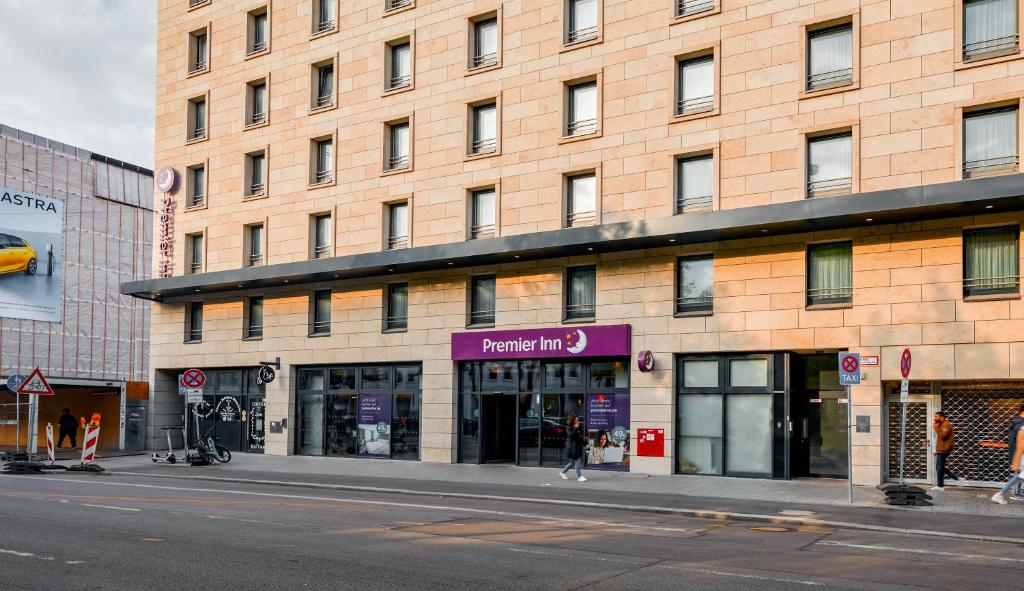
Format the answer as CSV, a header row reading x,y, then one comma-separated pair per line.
x,y
590,248
989,206
390,270
335,276
870,220
764,231
197,291
671,239
517,256
286,281
451,262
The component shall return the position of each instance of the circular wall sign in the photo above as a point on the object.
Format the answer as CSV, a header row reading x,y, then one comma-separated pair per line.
x,y
265,375
167,179
645,361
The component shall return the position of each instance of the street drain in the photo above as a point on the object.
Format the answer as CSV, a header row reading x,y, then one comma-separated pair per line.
x,y
797,513
770,529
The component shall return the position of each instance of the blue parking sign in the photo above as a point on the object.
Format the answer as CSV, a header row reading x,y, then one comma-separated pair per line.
x,y
849,369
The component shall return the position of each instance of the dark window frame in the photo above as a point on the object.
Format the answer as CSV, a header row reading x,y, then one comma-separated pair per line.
x,y
392,323
844,299
1012,289
480,318
695,308
585,314
320,326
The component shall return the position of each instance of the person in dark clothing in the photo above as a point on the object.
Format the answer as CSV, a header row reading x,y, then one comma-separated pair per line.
x,y
574,444
68,428
944,443
1015,426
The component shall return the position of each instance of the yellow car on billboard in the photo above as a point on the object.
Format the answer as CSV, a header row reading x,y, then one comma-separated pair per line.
x,y
16,255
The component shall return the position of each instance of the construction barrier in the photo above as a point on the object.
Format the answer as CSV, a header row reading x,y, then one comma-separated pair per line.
x,y
92,439
49,444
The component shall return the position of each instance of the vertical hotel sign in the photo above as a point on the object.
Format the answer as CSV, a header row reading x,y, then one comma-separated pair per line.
x,y
167,182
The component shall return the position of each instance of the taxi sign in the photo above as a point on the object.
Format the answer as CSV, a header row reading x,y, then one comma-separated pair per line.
x,y
849,369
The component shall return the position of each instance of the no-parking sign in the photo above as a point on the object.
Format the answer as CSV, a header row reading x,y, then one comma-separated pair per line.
x,y
849,369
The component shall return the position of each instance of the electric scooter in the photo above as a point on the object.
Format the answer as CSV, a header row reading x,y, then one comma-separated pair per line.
x,y
170,457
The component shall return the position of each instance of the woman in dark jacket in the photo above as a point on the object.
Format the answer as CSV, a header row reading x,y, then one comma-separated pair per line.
x,y
574,446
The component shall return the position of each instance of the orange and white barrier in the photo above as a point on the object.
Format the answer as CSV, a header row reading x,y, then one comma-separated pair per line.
x,y
92,439
49,443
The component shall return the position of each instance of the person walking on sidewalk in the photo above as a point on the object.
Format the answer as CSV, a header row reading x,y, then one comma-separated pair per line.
x,y
944,443
574,445
1016,449
68,426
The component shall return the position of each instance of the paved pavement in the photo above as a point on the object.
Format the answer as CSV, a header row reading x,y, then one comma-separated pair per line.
x,y
74,531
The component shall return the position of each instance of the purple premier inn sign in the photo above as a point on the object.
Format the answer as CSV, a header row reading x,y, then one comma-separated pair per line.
x,y
534,343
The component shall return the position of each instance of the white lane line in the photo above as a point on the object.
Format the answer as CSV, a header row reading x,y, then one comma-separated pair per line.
x,y
33,556
16,553
918,551
253,521
110,507
722,573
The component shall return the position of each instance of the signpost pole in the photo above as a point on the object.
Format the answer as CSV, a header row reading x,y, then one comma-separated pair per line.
x,y
903,436
849,443
17,420
33,417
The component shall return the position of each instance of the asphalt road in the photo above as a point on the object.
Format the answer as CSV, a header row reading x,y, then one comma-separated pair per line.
x,y
66,531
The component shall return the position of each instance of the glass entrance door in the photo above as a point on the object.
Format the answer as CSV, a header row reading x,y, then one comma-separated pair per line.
x,y
498,428
827,435
557,408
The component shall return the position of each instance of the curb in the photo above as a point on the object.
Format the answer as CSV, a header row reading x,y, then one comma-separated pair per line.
x,y
700,513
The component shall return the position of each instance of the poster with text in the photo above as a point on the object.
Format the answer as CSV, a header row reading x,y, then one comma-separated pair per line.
x,y
31,256
608,431
375,425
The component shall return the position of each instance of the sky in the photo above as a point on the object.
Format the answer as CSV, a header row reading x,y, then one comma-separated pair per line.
x,y
82,72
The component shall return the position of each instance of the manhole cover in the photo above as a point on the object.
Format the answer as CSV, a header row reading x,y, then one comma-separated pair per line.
x,y
770,529
796,513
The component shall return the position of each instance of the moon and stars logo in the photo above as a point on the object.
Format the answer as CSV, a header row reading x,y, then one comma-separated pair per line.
x,y
167,179
575,341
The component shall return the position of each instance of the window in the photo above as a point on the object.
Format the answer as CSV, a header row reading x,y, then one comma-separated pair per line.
x,y
397,146
481,300
194,248
484,43
321,236
396,314
193,322
990,142
830,273
398,225
195,3
320,313
991,261
485,129
323,16
399,64
695,85
256,167
830,165
695,281
323,89
695,183
582,118
323,163
259,30
830,57
580,293
253,318
691,7
582,21
482,208
581,200
198,50
989,29
197,118
390,5
257,102
196,180
254,245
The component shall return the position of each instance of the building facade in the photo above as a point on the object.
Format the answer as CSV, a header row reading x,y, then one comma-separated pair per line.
x,y
458,222
61,309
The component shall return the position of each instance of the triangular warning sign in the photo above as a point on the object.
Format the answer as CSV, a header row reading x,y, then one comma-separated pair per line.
x,y
35,384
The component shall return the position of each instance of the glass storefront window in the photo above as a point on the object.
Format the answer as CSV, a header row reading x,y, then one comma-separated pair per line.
x,y
700,373
229,381
748,373
376,378
500,376
469,444
405,427
343,378
749,434
341,425
529,376
529,429
609,374
469,376
407,377
311,379
563,376
699,445
311,425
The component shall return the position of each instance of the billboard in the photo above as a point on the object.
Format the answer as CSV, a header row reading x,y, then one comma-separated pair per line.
x,y
31,256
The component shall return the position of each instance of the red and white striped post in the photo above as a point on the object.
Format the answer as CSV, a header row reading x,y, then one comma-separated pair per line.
x,y
49,443
92,438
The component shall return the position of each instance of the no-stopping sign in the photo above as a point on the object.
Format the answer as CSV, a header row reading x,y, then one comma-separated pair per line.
x,y
193,378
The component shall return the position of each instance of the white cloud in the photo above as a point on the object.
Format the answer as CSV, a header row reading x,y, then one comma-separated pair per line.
x,y
82,72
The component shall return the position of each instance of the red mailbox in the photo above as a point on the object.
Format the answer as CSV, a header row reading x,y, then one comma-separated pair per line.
x,y
651,442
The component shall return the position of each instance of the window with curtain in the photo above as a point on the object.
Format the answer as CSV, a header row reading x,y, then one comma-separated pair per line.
x,y
195,247
258,108
485,43
197,194
401,65
830,57
830,273
397,313
830,165
582,21
198,123
322,236
695,92
254,319
695,183
694,284
255,240
324,86
320,323
482,296
259,32
990,28
325,15
193,322
690,7
582,109
485,129
992,261
990,142
581,293
483,217
398,146
257,164
398,225
324,161
581,194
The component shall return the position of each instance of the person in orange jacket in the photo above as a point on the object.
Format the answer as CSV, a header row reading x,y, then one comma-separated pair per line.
x,y
944,444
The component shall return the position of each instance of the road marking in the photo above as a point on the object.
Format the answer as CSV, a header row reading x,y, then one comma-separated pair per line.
x,y
917,551
33,556
253,521
722,573
582,556
110,507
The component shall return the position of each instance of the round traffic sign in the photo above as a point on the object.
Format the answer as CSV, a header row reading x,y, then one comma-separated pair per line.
x,y
905,363
15,381
850,364
193,378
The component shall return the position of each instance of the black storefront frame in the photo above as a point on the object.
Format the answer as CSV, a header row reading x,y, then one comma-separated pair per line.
x,y
248,392
542,389
393,390
777,386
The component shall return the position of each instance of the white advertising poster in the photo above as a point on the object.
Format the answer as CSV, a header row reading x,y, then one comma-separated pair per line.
x,y
31,256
